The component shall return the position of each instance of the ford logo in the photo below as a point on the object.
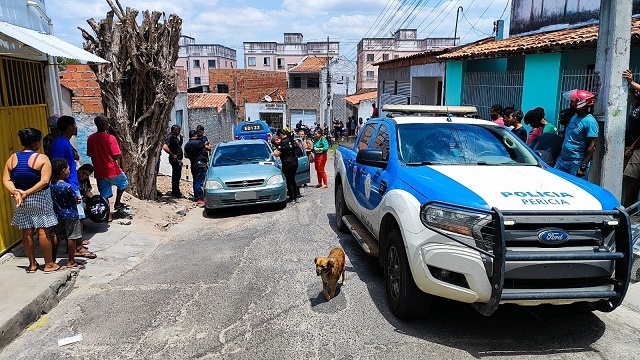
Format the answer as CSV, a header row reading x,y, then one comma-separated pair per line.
x,y
552,236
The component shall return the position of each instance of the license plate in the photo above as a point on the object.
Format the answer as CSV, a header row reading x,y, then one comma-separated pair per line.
x,y
246,195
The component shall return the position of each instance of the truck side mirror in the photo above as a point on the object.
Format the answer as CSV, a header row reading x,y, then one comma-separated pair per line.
x,y
371,157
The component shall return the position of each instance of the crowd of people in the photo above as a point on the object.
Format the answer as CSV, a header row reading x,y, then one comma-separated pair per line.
x,y
53,196
569,149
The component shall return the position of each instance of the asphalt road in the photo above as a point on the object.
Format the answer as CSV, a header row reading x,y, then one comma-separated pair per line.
x,y
243,286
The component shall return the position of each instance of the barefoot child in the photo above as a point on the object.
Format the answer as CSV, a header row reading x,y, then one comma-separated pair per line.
x,y
65,206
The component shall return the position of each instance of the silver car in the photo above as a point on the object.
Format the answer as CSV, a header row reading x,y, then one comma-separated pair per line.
x,y
244,173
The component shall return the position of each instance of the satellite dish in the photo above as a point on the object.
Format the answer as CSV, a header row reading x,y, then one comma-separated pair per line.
x,y
267,98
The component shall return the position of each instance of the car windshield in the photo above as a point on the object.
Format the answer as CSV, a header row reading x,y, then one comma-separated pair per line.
x,y
461,144
241,154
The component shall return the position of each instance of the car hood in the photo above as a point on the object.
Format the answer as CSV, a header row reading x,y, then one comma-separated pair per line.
x,y
528,188
243,172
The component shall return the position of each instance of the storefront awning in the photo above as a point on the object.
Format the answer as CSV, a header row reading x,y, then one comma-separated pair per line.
x,y
46,44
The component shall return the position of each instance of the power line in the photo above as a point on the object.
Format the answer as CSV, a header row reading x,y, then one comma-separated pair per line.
x,y
441,21
505,9
476,23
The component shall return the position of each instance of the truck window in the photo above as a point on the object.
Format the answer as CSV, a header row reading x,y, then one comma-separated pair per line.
x,y
363,143
381,141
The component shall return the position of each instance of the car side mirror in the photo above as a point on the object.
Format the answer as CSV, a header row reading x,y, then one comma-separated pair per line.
x,y
371,157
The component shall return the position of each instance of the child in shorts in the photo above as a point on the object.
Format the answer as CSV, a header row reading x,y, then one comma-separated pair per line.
x,y
65,206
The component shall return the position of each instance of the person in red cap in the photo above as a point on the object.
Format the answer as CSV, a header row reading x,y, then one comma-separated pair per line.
x,y
581,135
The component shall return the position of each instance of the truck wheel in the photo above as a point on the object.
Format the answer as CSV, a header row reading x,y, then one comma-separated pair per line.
x,y
341,209
404,297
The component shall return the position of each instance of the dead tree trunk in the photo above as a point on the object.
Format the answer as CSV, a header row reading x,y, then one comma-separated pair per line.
x,y
138,85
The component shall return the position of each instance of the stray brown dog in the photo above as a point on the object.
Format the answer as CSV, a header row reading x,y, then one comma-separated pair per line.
x,y
329,269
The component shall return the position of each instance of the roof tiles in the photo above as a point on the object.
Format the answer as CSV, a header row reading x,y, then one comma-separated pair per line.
x,y
310,64
559,40
206,100
356,99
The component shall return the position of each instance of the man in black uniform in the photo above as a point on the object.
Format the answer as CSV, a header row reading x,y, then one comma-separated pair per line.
x,y
173,146
197,152
286,150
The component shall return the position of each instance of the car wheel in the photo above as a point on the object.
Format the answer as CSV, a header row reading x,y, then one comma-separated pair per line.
x,y
341,209
404,298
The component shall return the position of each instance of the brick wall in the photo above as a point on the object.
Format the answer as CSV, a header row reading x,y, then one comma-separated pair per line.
x,y
252,85
303,99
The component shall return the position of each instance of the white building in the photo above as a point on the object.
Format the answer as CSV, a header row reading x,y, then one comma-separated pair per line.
x,y
273,56
405,42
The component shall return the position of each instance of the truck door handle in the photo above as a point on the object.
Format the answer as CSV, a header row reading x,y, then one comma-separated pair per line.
x,y
383,187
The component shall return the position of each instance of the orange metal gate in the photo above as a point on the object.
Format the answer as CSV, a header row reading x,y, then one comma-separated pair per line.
x,y
22,104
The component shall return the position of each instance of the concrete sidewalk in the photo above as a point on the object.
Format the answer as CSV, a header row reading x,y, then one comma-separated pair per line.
x,y
24,298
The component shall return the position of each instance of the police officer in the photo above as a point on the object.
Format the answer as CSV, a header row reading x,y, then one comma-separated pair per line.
x,y
286,150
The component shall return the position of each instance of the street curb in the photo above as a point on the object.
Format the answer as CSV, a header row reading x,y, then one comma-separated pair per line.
x,y
42,304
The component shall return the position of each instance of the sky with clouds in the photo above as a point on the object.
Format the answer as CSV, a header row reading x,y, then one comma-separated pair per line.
x,y
231,22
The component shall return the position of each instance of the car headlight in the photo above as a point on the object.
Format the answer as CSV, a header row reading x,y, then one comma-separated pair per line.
x,y
275,180
212,185
453,220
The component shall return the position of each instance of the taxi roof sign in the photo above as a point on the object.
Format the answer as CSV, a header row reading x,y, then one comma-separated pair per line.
x,y
432,110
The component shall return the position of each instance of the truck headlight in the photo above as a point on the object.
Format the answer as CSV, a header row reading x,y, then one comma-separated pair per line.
x,y
453,220
212,185
275,180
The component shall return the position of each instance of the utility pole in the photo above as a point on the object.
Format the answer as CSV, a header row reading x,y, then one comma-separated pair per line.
x,y
612,57
327,114
455,31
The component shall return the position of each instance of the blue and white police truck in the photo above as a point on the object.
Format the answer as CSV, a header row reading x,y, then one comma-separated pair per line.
x,y
459,207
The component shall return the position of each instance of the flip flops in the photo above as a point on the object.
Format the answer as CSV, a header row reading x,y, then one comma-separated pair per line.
x,y
31,271
88,255
58,269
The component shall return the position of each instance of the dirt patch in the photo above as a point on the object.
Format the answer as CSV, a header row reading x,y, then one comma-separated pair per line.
x,y
166,210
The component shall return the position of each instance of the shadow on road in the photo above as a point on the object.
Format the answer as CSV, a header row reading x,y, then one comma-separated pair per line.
x,y
243,210
511,331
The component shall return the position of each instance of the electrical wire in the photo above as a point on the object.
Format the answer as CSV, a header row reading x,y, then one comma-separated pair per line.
x,y
505,9
480,17
443,18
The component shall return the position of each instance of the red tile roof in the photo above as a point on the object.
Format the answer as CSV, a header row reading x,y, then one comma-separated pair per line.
x,y
310,64
559,40
81,80
207,100
421,58
355,99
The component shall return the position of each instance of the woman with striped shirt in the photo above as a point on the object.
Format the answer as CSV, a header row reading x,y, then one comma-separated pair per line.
x,y
26,175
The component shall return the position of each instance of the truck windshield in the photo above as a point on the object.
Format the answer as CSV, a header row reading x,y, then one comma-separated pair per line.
x,y
461,144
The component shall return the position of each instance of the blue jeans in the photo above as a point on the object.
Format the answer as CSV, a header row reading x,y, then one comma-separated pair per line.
x,y
571,167
198,182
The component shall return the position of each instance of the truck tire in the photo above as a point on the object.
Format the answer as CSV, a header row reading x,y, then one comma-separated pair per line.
x,y
341,209
404,298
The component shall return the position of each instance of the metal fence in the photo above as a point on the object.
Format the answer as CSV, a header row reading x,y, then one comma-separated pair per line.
x,y
576,79
485,89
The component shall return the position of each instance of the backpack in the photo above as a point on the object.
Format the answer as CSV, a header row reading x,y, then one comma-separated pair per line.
x,y
97,209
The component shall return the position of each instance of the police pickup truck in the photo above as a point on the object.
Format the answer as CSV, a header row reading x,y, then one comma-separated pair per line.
x,y
459,207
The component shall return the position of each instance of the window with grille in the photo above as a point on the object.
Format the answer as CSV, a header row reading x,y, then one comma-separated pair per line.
x,y
196,63
313,82
385,57
370,57
25,83
212,64
296,82
197,80
369,75
267,61
222,88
